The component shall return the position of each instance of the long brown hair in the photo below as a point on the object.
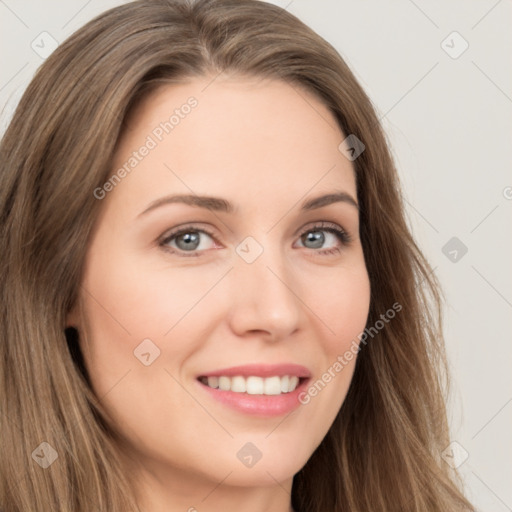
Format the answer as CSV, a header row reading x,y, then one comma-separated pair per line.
x,y
383,451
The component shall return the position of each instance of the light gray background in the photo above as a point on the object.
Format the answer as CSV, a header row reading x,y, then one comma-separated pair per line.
x,y
449,123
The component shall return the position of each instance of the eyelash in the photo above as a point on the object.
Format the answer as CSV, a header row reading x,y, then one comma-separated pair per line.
x,y
342,235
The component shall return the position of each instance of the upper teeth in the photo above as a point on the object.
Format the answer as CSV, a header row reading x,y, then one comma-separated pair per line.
x,y
253,385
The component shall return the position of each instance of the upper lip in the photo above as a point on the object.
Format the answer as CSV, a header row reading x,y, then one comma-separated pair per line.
x,y
261,370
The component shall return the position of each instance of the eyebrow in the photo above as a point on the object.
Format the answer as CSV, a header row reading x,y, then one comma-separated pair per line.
x,y
222,205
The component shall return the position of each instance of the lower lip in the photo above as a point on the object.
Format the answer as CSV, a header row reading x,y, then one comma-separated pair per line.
x,y
258,405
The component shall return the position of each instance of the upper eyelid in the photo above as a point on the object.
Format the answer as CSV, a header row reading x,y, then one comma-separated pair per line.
x,y
197,226
176,231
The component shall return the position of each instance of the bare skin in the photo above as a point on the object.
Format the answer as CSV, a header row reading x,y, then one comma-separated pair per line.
x,y
266,149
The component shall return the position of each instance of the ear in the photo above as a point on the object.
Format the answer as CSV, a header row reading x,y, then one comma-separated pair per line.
x,y
73,317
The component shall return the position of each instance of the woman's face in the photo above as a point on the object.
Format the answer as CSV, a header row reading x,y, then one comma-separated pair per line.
x,y
256,290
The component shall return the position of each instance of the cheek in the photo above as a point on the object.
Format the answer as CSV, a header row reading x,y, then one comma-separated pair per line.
x,y
343,308
342,304
127,301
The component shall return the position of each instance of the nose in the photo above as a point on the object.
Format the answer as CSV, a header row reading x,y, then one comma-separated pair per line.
x,y
264,299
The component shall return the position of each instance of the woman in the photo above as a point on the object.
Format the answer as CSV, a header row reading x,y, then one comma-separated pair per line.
x,y
211,298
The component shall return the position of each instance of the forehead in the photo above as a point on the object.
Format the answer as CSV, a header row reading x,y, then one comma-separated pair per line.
x,y
241,137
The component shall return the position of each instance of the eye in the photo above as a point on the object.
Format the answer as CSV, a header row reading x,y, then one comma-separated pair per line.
x,y
315,238
187,239
191,240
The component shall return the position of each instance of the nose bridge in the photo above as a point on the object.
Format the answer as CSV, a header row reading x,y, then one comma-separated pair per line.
x,y
265,299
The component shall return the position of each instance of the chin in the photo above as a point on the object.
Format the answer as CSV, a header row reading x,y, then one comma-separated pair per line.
x,y
262,475
274,465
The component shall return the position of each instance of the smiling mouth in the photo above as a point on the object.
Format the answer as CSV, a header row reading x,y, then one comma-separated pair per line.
x,y
254,385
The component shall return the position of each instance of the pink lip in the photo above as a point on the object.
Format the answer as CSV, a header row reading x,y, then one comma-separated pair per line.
x,y
261,370
259,405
